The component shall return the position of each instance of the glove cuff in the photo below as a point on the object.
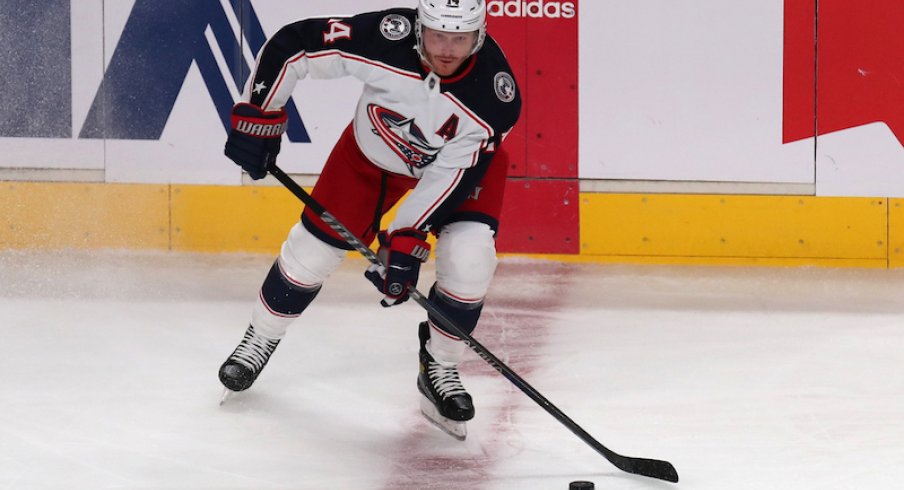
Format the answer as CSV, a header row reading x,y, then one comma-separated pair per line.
x,y
253,121
409,241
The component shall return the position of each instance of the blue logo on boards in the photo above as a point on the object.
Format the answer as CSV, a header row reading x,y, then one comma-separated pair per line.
x,y
160,42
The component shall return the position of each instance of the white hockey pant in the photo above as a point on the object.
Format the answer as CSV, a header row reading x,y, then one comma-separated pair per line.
x,y
465,264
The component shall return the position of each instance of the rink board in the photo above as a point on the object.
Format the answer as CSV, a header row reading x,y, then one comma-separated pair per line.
x,y
232,219
651,228
725,229
66,215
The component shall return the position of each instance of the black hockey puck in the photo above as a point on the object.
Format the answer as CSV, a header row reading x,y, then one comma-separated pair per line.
x,y
581,485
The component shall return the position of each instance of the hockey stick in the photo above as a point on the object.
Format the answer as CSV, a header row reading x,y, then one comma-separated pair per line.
x,y
652,468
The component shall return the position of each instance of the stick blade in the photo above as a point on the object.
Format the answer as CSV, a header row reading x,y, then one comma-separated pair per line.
x,y
653,468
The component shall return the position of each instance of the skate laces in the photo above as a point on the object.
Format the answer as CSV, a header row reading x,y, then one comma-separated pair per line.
x,y
254,350
445,379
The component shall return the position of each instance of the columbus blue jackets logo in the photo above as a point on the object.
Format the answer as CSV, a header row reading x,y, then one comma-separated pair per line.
x,y
403,136
505,86
395,27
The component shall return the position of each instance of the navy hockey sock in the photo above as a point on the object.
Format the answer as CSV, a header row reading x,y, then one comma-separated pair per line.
x,y
285,297
465,315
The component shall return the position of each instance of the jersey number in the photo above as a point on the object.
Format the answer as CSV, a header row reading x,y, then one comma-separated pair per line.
x,y
337,31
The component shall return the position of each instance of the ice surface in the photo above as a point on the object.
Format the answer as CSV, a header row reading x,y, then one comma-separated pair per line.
x,y
743,378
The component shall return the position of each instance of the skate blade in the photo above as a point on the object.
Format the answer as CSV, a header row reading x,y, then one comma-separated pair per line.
x,y
227,393
454,428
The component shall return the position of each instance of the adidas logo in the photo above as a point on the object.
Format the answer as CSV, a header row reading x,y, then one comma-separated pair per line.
x,y
532,8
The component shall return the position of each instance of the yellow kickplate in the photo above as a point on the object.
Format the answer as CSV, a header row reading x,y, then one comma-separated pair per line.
x,y
790,230
232,219
895,233
70,215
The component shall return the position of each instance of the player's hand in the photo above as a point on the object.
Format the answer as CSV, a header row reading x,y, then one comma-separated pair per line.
x,y
401,253
255,138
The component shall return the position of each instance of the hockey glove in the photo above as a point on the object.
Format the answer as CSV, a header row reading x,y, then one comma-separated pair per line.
x,y
255,138
401,253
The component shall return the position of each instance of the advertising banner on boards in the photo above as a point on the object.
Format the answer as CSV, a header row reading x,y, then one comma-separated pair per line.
x,y
706,91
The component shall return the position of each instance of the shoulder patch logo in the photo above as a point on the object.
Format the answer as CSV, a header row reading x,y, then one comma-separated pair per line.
x,y
505,86
395,27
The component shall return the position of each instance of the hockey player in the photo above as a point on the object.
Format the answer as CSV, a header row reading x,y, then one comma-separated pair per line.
x,y
438,99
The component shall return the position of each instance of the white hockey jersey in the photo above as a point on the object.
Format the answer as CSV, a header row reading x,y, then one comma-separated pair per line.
x,y
409,121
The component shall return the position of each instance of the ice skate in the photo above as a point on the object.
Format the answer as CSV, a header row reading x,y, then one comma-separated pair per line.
x,y
444,400
246,362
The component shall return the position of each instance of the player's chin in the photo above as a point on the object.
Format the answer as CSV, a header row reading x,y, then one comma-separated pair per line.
x,y
445,68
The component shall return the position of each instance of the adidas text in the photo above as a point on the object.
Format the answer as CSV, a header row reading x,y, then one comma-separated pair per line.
x,y
532,8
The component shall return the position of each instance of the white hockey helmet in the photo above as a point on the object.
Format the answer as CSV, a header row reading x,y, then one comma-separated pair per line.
x,y
451,16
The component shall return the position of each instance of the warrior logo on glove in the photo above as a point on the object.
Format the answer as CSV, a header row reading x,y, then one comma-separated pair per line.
x,y
257,129
255,138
